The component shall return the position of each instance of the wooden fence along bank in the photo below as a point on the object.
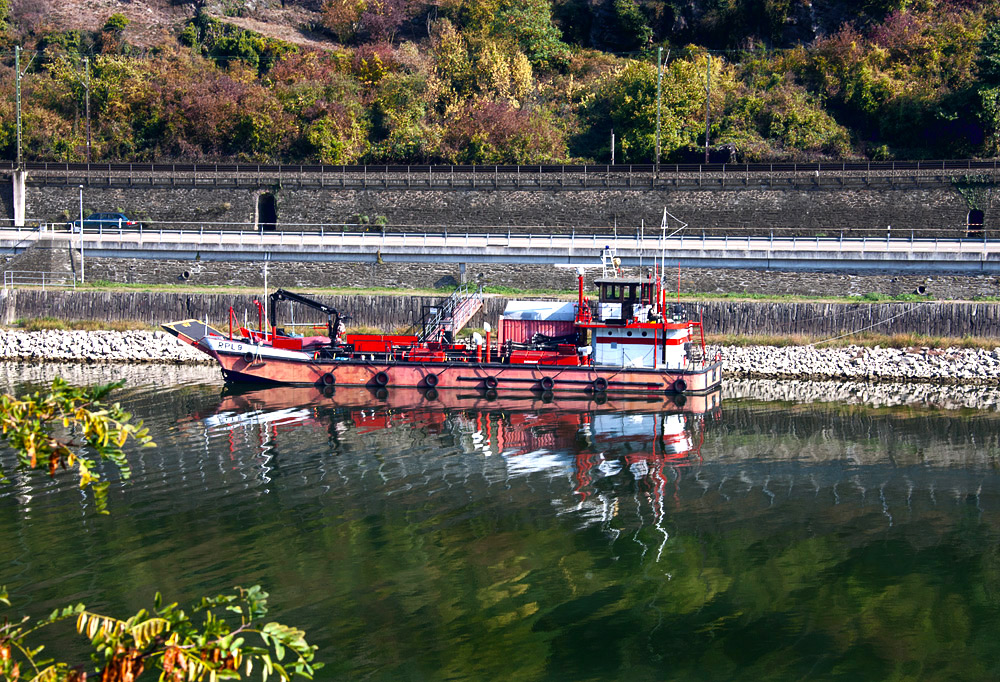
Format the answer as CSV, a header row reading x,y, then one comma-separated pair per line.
x,y
821,320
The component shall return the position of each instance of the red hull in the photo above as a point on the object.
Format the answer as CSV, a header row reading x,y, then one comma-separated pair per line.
x,y
467,375
403,402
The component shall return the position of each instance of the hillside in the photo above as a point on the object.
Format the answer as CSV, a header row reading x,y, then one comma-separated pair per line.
x,y
156,22
505,81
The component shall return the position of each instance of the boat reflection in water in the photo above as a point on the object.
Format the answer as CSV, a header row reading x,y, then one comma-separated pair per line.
x,y
582,438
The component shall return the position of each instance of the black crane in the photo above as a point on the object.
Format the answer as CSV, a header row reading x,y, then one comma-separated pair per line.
x,y
333,316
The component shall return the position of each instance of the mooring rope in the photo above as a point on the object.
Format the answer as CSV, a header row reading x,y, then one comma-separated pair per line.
x,y
874,324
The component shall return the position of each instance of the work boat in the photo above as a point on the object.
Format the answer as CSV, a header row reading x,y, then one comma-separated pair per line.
x,y
625,342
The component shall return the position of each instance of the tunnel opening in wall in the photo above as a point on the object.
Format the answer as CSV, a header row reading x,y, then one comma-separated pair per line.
x,y
267,212
974,224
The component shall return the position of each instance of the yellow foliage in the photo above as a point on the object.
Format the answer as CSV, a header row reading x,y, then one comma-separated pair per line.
x,y
521,77
493,72
341,16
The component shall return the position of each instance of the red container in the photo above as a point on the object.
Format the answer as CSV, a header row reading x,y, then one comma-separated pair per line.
x,y
521,331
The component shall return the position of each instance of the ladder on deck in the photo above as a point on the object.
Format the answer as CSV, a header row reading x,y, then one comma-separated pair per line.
x,y
452,315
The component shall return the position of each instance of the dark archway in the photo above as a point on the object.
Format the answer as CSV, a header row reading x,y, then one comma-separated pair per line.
x,y
974,224
267,212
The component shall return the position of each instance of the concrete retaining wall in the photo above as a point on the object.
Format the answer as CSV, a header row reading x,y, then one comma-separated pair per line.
x,y
394,312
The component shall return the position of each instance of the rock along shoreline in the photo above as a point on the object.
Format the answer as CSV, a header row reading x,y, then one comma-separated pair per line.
x,y
860,363
850,363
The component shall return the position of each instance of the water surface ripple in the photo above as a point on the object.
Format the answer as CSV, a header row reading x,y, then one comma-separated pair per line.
x,y
780,531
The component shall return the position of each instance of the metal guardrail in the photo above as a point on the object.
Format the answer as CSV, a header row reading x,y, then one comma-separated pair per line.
x,y
289,232
243,234
35,278
300,169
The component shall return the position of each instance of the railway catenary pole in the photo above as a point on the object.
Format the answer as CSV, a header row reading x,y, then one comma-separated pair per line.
x,y
17,101
18,75
86,69
708,98
659,82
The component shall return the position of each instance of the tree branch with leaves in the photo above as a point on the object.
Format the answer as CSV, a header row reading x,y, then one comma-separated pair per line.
x,y
70,428
229,638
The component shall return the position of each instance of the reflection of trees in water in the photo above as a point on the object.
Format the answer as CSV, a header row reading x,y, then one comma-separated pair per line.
x,y
855,435
805,543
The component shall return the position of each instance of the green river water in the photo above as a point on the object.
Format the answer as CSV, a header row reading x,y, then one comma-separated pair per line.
x,y
793,531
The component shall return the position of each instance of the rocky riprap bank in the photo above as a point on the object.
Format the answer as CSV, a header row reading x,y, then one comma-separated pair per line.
x,y
950,365
97,346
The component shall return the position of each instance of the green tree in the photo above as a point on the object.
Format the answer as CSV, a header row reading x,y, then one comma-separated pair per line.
x,y
117,23
988,90
988,57
626,101
529,24
632,24
4,17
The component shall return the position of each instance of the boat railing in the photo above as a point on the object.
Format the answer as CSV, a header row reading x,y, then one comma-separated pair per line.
x,y
437,321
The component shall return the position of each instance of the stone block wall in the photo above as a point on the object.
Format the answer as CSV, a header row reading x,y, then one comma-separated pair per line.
x,y
151,205
448,275
938,210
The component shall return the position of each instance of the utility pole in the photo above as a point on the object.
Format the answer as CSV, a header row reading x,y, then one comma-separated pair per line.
x,y
85,82
659,81
17,98
86,69
83,277
612,146
708,98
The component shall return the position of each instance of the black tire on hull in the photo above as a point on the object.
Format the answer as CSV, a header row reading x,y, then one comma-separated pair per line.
x,y
546,383
328,379
381,379
431,380
491,383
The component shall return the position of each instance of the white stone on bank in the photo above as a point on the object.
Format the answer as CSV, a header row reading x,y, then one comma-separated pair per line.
x,y
97,346
958,365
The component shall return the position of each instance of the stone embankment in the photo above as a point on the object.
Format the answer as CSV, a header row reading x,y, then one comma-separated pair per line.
x,y
97,346
937,395
950,365
857,363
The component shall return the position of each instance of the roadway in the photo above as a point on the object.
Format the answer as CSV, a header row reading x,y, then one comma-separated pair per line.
x,y
784,253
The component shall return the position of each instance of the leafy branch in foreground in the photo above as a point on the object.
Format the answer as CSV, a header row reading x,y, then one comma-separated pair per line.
x,y
66,427
229,638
